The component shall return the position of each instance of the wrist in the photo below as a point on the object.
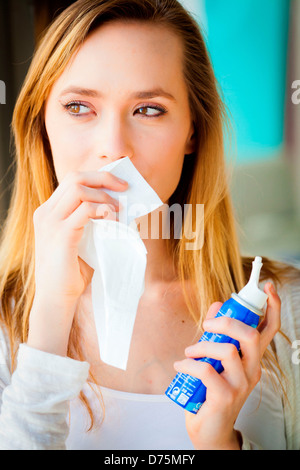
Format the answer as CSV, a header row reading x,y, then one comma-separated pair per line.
x,y
50,326
233,442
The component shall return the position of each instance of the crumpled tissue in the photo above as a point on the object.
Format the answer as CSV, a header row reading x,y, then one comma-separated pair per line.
x,y
116,252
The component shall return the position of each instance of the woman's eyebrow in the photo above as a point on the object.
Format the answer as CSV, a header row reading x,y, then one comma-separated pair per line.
x,y
155,93
81,91
147,94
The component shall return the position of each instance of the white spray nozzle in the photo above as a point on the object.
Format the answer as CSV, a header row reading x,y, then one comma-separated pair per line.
x,y
251,292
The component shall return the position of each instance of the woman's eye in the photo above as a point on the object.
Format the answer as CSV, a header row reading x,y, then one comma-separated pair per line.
x,y
77,109
150,111
80,109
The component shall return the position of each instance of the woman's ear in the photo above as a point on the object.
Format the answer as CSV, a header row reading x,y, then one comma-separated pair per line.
x,y
191,141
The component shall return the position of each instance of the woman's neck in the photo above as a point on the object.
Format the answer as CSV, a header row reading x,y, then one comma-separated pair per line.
x,y
160,264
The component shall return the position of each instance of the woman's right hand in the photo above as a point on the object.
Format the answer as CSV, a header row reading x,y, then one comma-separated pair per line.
x,y
60,275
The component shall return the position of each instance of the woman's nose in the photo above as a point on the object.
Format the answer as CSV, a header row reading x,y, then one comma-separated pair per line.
x,y
114,139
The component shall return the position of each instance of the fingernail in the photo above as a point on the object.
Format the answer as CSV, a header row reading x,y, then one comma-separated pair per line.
x,y
272,289
190,349
113,207
99,210
121,181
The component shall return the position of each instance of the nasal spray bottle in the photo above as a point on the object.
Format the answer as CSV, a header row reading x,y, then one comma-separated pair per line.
x,y
246,306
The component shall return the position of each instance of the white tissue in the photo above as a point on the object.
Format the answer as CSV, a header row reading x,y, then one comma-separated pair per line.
x,y
116,252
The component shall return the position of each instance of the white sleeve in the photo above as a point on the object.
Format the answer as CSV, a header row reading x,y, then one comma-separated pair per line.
x,y
269,418
35,403
248,445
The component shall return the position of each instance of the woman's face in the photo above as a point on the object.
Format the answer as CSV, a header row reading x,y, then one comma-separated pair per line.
x,y
123,94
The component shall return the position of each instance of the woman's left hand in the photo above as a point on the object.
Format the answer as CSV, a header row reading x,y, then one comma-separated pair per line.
x,y
213,426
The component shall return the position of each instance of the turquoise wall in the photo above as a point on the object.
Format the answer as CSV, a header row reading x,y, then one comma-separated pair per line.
x,y
247,41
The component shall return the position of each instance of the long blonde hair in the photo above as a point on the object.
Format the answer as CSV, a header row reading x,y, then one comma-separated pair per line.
x,y
217,269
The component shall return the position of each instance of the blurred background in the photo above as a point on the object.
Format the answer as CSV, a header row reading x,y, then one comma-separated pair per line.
x,y
255,50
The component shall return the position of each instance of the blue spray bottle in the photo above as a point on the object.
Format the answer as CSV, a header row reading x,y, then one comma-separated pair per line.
x,y
246,306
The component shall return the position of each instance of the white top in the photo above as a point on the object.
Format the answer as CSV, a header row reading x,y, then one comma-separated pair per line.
x,y
135,421
37,398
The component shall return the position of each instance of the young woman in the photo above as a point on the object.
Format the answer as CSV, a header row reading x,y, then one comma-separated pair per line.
x,y
116,78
